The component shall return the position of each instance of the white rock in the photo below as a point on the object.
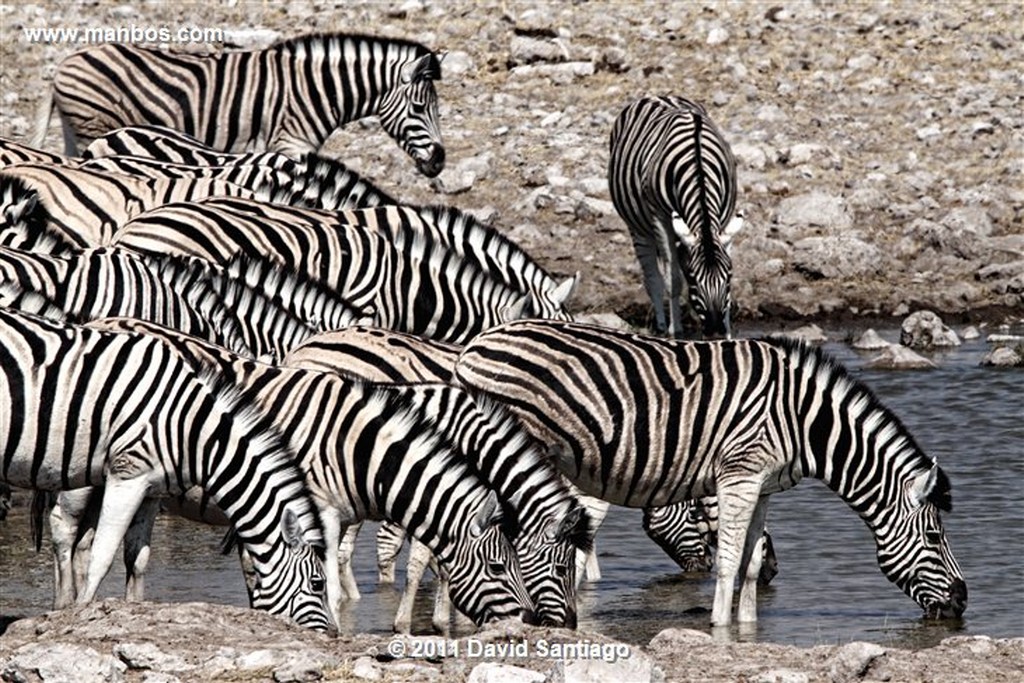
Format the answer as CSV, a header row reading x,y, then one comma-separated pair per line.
x,y
251,38
814,209
896,357
490,672
869,340
925,330
717,36
61,662
970,332
810,333
853,660
366,669
457,63
1003,357
148,656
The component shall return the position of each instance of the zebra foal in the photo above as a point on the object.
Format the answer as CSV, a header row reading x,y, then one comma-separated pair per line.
x,y
79,407
286,98
672,179
642,421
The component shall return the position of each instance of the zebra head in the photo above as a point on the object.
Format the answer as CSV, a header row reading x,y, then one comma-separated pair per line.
x,y
913,551
683,531
485,580
408,113
548,559
298,588
707,268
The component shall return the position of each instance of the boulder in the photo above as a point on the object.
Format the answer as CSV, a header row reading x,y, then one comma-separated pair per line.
x,y
925,330
1004,357
896,357
869,340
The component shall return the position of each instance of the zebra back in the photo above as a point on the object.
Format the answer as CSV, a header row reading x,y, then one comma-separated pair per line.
x,y
174,147
112,282
13,153
287,98
376,354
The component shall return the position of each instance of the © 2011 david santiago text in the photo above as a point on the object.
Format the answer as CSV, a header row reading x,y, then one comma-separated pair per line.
x,y
472,648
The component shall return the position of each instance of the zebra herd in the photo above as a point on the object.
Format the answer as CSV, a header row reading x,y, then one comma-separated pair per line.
x,y
198,310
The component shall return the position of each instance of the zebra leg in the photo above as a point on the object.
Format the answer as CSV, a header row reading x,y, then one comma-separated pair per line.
x,y
136,549
121,499
65,519
390,538
654,282
737,501
346,548
442,617
750,564
419,558
330,521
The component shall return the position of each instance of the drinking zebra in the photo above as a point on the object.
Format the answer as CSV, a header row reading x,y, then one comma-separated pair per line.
x,y
688,533
411,284
672,178
642,421
82,407
289,97
375,453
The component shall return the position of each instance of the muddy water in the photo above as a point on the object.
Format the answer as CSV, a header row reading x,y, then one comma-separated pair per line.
x,y
829,588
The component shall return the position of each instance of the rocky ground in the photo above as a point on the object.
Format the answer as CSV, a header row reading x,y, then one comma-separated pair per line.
x,y
880,170
117,641
879,147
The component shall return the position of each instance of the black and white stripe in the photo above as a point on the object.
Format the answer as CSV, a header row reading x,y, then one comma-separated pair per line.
x,y
641,421
371,453
87,207
286,98
81,408
672,178
411,284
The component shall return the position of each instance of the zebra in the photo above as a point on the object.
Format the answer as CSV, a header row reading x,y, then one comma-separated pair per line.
x,y
82,407
288,98
688,533
672,179
645,422
370,452
160,143
412,285
87,207
13,153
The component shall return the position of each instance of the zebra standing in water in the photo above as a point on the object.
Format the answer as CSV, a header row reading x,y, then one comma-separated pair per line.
x,y
642,421
288,98
672,178
371,452
81,407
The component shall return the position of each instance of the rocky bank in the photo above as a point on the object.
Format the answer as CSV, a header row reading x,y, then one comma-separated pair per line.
x,y
117,641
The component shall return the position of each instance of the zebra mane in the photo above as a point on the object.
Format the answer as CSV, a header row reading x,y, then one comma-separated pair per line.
x,y
320,173
23,207
13,296
815,360
272,445
272,280
339,40
503,422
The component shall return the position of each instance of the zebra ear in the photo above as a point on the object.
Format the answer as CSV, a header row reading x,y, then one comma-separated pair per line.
x,y
514,311
922,486
427,67
731,230
487,516
565,289
24,206
291,529
683,232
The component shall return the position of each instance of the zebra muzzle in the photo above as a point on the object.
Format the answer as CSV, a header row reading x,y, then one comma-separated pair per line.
x,y
430,163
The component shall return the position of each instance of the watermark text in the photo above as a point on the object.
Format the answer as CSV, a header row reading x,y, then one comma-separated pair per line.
x,y
130,34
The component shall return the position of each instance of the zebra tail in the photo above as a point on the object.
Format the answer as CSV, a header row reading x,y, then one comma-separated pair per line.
x,y
40,504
